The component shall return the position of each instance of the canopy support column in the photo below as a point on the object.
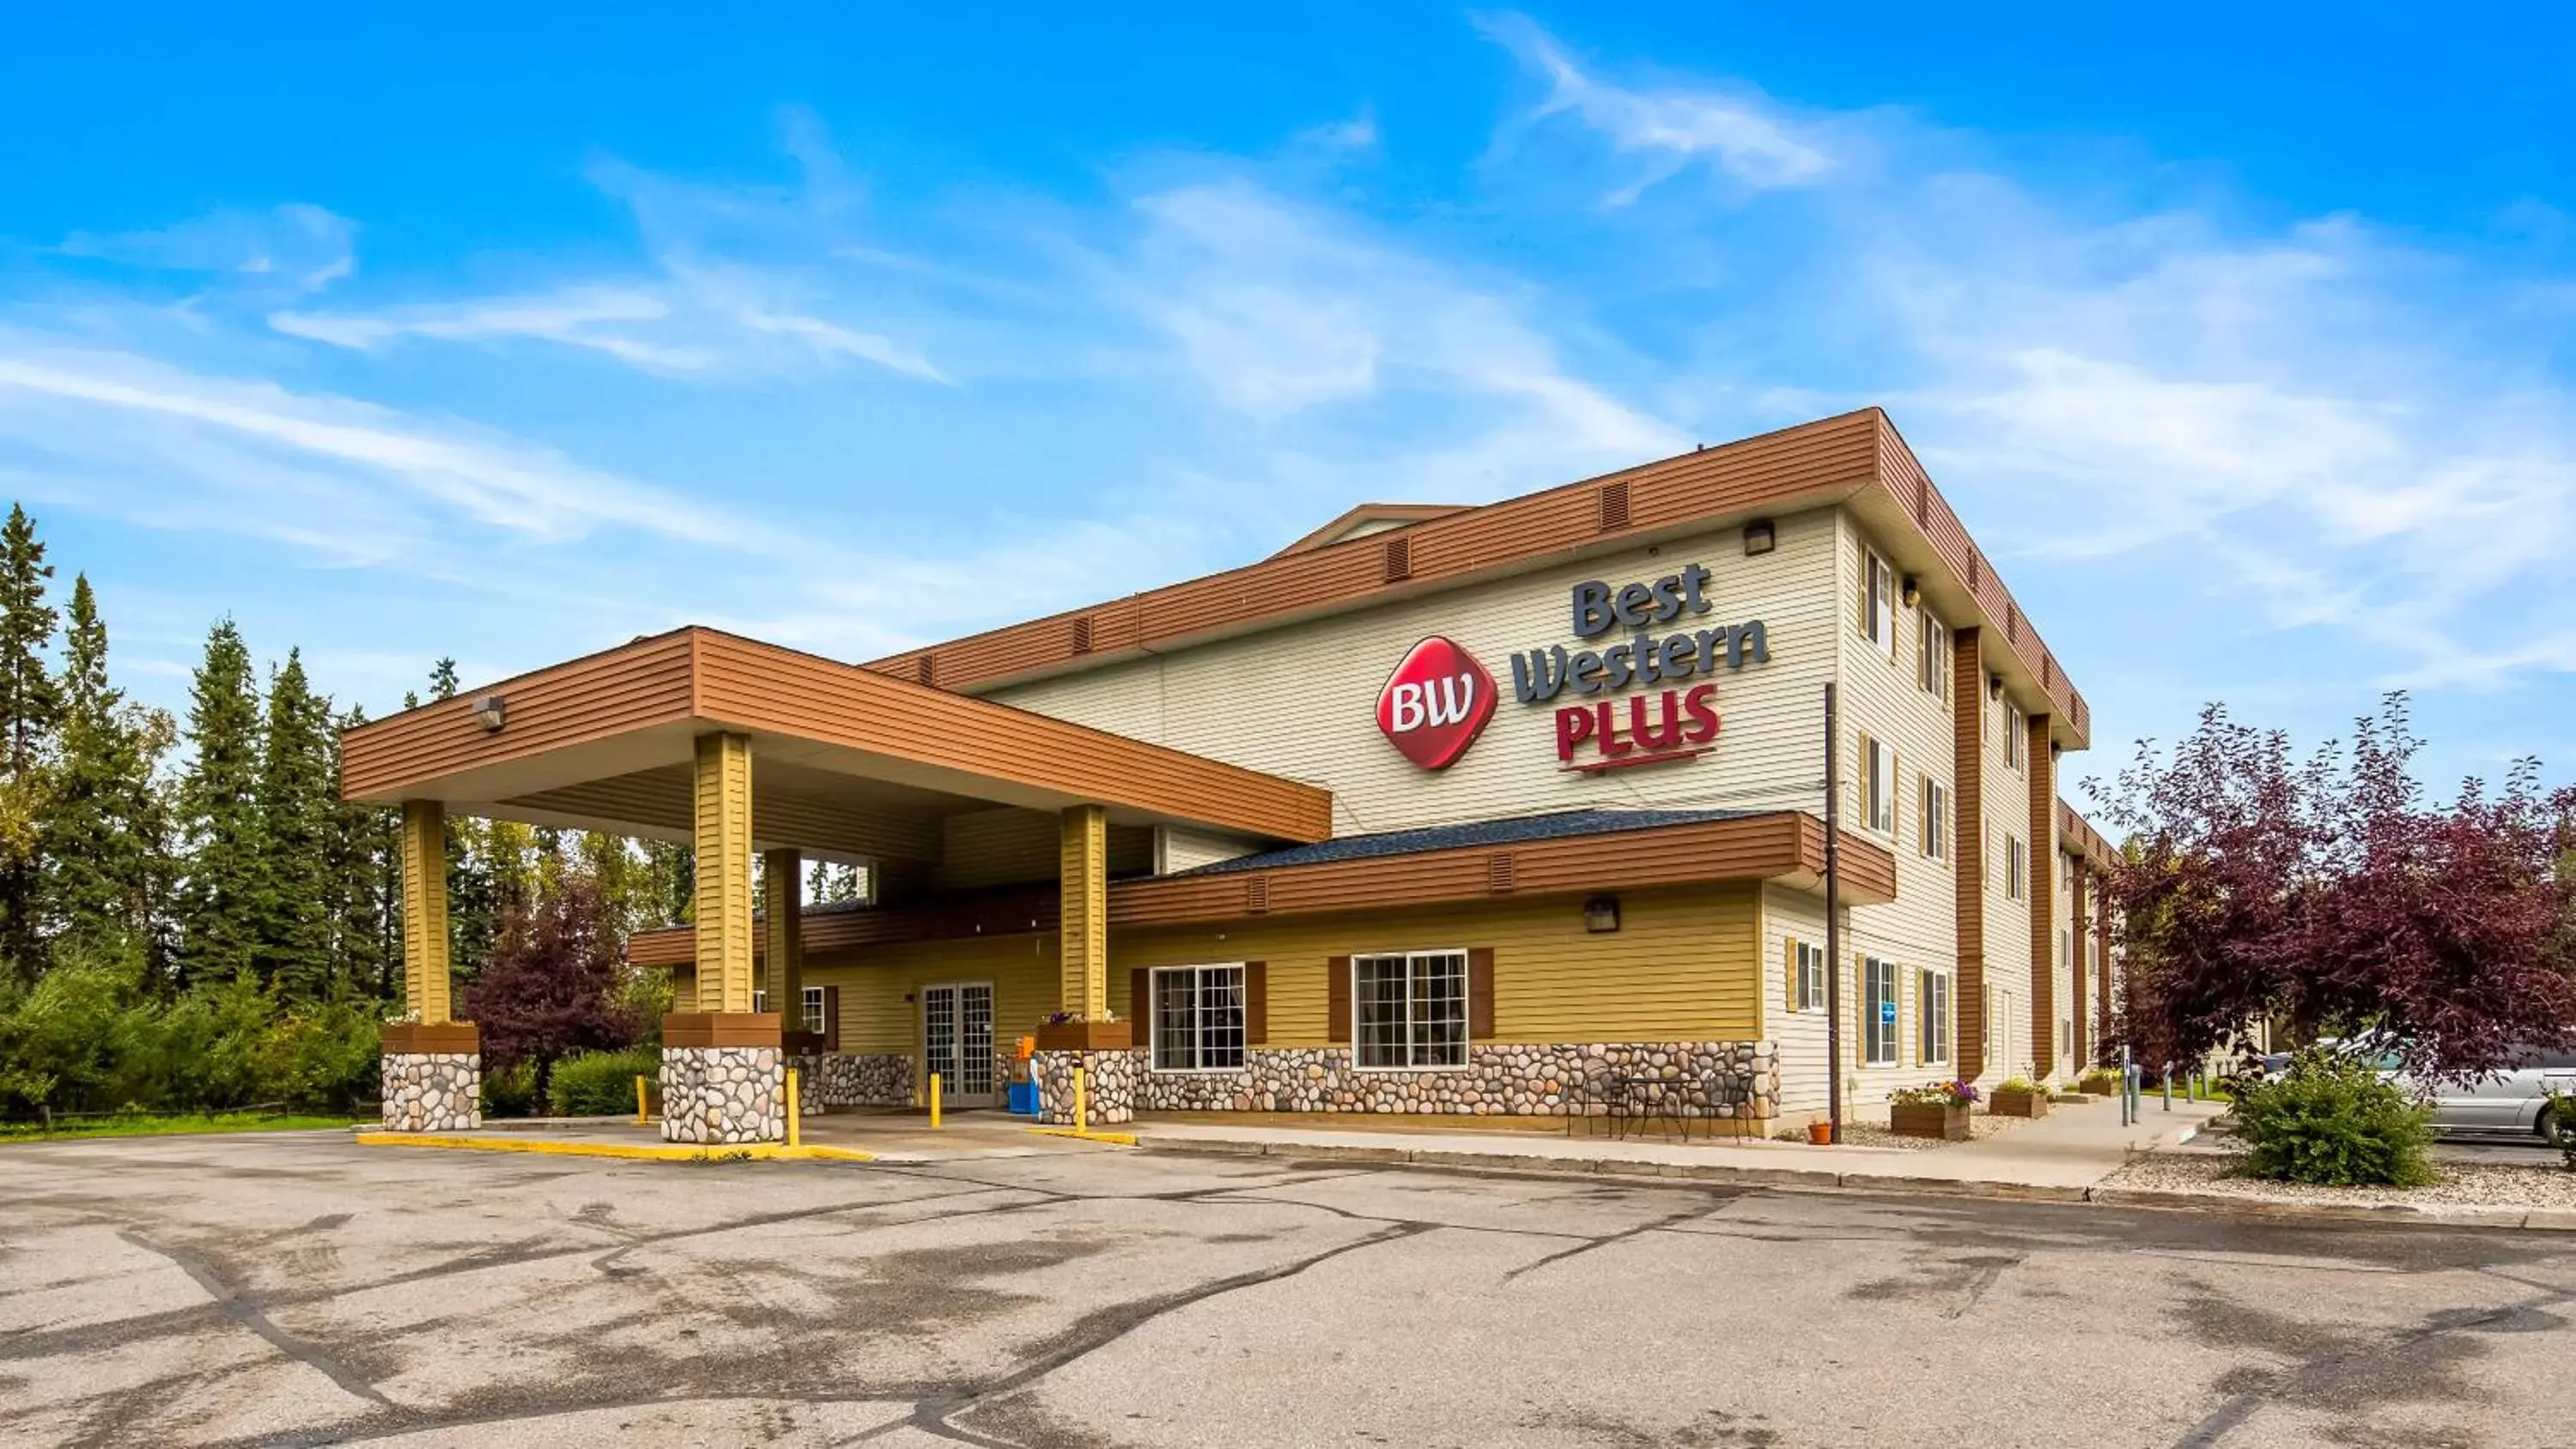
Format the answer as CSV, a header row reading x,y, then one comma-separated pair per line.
x,y
724,1076
431,1079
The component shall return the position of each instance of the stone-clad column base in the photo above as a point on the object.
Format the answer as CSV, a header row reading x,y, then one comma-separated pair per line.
x,y
433,1091
724,1096
1111,1088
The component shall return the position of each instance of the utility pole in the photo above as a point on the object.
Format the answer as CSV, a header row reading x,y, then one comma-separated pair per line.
x,y
1833,919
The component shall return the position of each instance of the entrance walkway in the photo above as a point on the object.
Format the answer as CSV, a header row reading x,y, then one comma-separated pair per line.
x,y
2061,1155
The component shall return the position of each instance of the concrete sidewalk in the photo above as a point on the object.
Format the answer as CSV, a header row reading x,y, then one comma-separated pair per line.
x,y
2062,1156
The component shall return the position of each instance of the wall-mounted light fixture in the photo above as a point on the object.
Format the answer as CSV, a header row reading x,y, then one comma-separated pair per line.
x,y
1601,914
493,711
1760,537
1911,590
2056,752
1994,686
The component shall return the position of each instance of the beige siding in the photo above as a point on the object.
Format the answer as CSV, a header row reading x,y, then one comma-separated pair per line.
x,y
2008,963
1179,847
1301,700
1882,699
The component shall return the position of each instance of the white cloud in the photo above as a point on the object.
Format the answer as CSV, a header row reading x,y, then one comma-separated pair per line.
x,y
300,247
576,317
1737,131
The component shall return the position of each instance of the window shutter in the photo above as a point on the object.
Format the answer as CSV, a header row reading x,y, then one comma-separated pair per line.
x,y
1860,1038
1480,994
1789,976
1337,998
1140,1005
1256,1002
831,1018
1895,800
1867,614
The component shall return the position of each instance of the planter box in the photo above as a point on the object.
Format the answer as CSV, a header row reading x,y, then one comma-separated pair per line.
x,y
2020,1104
1087,1036
1948,1124
435,1038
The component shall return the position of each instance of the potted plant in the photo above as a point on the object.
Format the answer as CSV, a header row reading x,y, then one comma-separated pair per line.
x,y
1937,1110
1071,1031
2020,1097
2099,1082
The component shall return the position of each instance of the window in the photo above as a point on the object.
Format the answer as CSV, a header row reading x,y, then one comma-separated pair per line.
x,y
812,1014
1936,819
1878,603
2016,868
1878,785
1999,1022
1878,1012
2016,735
1806,976
2065,946
1410,1010
1932,1025
1198,1018
1932,662
2065,1038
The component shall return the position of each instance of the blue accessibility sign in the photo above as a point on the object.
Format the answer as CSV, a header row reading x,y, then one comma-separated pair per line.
x,y
1887,1012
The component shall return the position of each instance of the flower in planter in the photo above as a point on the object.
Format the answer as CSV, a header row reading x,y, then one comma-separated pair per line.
x,y
2021,1084
1936,1094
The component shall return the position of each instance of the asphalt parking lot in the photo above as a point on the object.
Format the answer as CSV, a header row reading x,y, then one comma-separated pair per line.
x,y
304,1290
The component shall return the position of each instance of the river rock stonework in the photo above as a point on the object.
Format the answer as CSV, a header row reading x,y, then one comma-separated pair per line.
x,y
1736,1081
432,1092
724,1096
1111,1091
857,1080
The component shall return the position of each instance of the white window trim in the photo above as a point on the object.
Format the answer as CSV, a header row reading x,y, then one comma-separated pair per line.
x,y
1878,587
1935,661
815,1014
1815,1003
1924,1015
1932,818
1466,1006
2016,869
1870,1025
1154,1018
2016,738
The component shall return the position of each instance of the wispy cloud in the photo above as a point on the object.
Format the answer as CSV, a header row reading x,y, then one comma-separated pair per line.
x,y
300,247
1665,130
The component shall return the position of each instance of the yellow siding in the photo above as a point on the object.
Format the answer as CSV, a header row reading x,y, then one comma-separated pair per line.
x,y
723,850
1680,968
424,910
1015,847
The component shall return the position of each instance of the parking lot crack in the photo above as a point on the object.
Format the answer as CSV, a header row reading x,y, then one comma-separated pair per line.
x,y
249,1315
1695,1210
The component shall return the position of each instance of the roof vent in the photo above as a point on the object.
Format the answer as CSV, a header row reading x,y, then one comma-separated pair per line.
x,y
1256,896
1614,506
1399,559
1082,635
1498,873
926,669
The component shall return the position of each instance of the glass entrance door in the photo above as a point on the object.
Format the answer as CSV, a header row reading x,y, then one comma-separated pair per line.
x,y
957,1041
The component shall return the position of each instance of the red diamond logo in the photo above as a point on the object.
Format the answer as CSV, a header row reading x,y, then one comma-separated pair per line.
x,y
1436,703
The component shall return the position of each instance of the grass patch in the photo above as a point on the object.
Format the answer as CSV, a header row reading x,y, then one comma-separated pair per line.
x,y
148,1124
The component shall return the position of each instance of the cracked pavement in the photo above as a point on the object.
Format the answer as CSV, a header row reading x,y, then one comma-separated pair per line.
x,y
300,1289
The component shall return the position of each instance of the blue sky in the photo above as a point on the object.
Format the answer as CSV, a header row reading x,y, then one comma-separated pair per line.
x,y
2242,340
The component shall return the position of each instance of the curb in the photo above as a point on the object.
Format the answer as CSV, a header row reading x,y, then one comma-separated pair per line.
x,y
628,1151
1802,1179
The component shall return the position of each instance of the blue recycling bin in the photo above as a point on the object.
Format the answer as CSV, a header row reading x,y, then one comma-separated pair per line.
x,y
1024,1099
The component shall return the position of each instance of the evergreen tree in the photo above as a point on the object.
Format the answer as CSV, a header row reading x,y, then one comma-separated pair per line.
x,y
295,823
104,832
30,707
363,887
473,898
220,895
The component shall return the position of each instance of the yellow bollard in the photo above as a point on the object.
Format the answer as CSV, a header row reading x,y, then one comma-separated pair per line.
x,y
643,1114
795,1119
934,1101
1081,1100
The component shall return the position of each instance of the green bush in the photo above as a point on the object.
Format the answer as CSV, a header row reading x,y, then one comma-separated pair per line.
x,y
601,1084
511,1091
2332,1120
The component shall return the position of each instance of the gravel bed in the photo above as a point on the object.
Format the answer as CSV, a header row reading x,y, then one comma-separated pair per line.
x,y
1981,1125
2457,1184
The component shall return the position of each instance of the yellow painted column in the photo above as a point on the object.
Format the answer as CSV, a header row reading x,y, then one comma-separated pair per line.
x,y
723,840
424,911
782,937
1083,866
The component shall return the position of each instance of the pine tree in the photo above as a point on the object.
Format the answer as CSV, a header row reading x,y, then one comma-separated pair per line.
x,y
104,831
219,901
473,898
362,886
30,707
295,822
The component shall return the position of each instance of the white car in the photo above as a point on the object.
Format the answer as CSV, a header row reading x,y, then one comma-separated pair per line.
x,y
2515,1101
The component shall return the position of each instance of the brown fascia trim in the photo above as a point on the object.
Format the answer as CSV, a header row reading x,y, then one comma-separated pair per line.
x,y
1811,465
706,678
2076,836
1779,845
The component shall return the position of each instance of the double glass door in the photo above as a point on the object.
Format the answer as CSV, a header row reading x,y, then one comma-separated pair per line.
x,y
957,1041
